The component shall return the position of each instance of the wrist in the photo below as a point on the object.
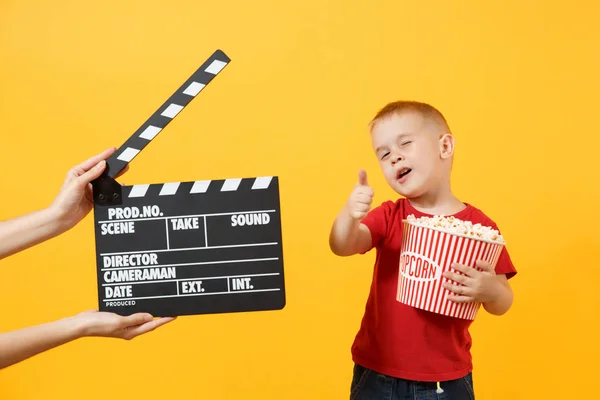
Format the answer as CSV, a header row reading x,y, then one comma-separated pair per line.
x,y
75,327
54,219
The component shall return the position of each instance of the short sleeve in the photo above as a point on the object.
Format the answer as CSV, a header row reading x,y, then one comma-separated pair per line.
x,y
505,264
377,222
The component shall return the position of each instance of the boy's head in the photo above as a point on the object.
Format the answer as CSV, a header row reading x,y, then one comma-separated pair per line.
x,y
414,146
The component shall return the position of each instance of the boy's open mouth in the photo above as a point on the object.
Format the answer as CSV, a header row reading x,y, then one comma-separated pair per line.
x,y
402,173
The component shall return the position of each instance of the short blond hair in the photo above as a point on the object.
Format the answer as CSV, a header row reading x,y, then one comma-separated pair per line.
x,y
427,111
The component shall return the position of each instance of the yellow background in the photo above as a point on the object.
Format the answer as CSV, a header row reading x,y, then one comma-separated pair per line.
x,y
518,82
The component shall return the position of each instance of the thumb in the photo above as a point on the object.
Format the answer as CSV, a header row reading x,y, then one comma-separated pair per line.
x,y
362,178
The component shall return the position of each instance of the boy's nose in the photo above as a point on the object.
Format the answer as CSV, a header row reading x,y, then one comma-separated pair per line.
x,y
396,158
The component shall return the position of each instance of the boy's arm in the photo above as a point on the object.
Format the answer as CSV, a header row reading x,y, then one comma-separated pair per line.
x,y
348,236
22,344
504,298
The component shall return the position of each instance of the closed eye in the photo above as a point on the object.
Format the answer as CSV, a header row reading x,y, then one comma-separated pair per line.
x,y
407,142
385,155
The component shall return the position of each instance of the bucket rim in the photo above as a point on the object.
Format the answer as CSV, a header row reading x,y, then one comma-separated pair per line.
x,y
502,243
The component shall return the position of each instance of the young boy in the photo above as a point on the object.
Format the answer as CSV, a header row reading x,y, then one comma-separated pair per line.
x,y
400,351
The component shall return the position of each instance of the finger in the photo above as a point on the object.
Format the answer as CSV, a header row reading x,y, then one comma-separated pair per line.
x,y
362,178
363,206
461,299
458,289
458,278
92,174
136,319
485,266
92,161
363,198
364,190
147,327
465,269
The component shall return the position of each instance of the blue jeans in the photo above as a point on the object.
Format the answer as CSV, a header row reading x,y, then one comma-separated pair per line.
x,y
370,385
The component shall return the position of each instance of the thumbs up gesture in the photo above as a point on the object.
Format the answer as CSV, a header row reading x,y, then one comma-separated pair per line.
x,y
361,197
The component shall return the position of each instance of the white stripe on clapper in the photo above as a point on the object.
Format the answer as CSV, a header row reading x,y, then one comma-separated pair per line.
x,y
194,89
172,110
128,154
262,182
215,67
169,189
150,132
138,190
231,185
200,187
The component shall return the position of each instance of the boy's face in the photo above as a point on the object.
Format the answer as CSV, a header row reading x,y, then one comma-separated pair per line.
x,y
411,152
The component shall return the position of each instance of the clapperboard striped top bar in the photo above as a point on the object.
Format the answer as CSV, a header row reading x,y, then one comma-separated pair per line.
x,y
165,114
226,185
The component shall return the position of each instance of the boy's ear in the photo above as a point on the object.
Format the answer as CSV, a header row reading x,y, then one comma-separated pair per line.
x,y
447,143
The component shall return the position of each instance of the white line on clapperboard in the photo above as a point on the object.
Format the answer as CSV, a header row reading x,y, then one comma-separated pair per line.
x,y
195,294
167,232
193,279
186,216
189,249
167,218
192,263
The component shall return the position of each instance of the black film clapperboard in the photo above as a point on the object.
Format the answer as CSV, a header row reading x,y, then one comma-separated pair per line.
x,y
185,248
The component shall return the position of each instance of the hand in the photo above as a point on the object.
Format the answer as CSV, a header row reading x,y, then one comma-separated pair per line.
x,y
361,197
104,324
75,201
474,286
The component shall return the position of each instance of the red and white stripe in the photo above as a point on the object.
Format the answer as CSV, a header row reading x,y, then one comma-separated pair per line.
x,y
442,249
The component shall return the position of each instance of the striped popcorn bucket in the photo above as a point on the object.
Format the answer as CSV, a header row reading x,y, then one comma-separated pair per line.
x,y
428,252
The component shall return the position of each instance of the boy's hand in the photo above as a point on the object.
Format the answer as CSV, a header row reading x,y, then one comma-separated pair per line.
x,y
481,286
361,197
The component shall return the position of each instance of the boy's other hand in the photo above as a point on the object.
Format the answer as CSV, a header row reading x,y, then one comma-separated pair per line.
x,y
481,286
361,197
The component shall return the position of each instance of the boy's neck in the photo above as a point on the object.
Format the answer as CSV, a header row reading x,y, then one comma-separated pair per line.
x,y
441,203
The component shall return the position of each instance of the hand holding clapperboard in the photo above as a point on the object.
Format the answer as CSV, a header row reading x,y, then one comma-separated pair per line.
x,y
184,248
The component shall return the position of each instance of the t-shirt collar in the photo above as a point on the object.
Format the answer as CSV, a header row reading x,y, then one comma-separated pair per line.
x,y
460,215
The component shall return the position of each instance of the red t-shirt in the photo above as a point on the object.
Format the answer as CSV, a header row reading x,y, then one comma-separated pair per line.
x,y
405,342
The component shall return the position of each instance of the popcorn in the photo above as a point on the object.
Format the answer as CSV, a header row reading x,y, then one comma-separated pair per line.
x,y
456,226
